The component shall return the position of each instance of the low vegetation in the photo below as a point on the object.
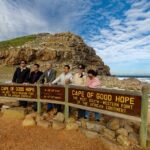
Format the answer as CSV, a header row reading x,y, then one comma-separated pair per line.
x,y
16,42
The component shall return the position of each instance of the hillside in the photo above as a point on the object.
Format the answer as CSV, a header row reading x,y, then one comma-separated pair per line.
x,y
16,42
60,49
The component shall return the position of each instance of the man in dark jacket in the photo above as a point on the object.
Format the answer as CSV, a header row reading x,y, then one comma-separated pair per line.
x,y
35,74
33,79
21,75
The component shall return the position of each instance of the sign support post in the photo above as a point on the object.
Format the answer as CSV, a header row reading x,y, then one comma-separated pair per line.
x,y
66,111
38,99
144,117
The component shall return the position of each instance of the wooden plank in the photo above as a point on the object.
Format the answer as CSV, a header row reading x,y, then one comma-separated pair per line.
x,y
110,90
19,99
113,114
52,101
144,116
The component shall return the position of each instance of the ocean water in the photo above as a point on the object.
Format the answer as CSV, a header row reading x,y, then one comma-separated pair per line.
x,y
142,79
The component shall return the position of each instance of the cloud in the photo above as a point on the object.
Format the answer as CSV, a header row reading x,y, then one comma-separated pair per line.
x,y
118,30
28,17
16,19
126,39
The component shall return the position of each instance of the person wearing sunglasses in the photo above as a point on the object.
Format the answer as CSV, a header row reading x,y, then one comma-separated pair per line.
x,y
21,75
79,79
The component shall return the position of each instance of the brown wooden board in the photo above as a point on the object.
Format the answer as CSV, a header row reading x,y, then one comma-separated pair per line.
x,y
18,91
56,93
106,100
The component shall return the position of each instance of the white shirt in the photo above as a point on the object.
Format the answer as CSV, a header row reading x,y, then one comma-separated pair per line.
x,y
62,78
48,72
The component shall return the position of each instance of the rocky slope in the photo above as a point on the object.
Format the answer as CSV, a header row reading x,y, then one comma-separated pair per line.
x,y
60,49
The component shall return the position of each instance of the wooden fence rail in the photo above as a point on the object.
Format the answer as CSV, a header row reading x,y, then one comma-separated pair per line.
x,y
131,105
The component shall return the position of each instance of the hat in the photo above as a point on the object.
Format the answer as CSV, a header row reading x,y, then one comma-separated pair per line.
x,y
81,66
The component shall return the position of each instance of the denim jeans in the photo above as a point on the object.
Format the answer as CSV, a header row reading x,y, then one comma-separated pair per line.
x,y
23,104
58,106
81,113
97,115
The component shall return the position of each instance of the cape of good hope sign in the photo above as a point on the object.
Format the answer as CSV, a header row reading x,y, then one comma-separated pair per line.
x,y
106,100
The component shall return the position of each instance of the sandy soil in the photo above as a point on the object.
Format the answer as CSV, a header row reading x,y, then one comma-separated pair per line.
x,y
15,137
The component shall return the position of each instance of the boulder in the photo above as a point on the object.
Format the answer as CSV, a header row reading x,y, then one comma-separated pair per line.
x,y
123,140
101,128
91,134
52,113
83,123
94,126
38,118
134,138
136,127
70,120
57,125
108,133
59,117
128,128
14,113
45,116
122,131
110,145
32,115
28,122
30,110
90,125
113,124
43,123
4,107
72,126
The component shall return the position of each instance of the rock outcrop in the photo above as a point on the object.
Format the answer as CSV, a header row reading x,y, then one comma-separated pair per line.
x,y
60,49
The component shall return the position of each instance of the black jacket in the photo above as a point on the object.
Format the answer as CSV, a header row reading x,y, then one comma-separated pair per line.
x,y
21,76
34,77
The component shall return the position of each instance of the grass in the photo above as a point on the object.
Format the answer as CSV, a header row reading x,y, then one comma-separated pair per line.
x,y
16,42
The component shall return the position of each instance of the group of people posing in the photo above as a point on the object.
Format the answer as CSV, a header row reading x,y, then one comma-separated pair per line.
x,y
23,74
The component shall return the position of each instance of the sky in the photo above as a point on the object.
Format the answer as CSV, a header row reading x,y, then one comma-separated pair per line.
x,y
119,30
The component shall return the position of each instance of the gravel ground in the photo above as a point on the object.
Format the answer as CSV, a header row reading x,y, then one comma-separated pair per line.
x,y
15,137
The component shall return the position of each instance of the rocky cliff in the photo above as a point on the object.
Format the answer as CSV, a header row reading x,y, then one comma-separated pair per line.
x,y
60,49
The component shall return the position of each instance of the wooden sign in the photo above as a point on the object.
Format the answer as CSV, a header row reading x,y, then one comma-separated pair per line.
x,y
56,93
18,91
106,100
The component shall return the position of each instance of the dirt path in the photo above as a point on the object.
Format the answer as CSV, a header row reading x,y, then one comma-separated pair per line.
x,y
14,137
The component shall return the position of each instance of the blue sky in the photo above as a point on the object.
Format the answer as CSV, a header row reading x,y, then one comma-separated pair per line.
x,y
119,30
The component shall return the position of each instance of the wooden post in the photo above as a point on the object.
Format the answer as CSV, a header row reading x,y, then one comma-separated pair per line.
x,y
38,99
66,111
144,116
